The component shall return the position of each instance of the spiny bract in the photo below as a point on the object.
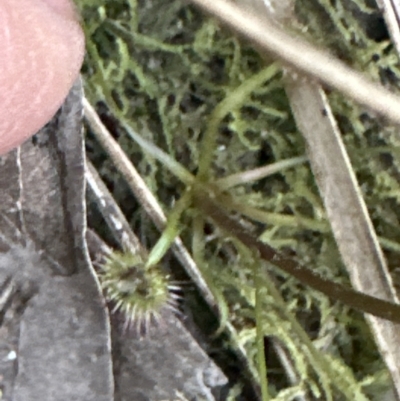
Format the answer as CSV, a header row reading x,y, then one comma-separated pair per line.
x,y
140,292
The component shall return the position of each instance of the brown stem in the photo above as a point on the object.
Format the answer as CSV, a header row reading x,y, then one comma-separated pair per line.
x,y
335,291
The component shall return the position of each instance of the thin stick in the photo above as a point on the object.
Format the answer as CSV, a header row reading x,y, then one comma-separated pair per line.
x,y
355,299
111,213
305,58
145,197
150,204
244,177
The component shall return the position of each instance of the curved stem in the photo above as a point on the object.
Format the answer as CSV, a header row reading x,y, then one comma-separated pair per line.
x,y
355,299
245,177
231,102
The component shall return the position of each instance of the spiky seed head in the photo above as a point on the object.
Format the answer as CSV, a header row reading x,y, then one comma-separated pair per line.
x,y
138,291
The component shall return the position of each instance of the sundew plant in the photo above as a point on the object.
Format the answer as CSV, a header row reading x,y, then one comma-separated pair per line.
x,y
194,107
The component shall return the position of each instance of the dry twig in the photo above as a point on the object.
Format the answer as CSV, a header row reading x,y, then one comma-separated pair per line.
x,y
151,206
303,57
346,209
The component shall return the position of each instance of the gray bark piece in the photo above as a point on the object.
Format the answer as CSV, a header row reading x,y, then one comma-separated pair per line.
x,y
52,186
54,336
61,355
165,364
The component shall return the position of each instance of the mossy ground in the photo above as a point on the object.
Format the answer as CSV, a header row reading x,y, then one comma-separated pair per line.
x,y
165,67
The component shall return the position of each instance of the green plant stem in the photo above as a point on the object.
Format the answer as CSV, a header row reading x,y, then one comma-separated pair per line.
x,y
324,370
355,299
144,41
198,239
176,168
245,177
316,360
167,161
133,11
276,219
171,230
234,100
262,365
389,244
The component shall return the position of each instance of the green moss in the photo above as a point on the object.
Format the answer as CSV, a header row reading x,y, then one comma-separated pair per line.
x,y
167,70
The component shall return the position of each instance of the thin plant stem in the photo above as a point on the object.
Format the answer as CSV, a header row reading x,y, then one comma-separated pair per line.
x,y
146,198
167,161
303,57
149,202
389,244
234,100
245,177
198,239
276,219
111,213
176,168
124,165
171,230
355,299
262,364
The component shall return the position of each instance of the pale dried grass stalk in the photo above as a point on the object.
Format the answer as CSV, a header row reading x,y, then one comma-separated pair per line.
x,y
347,212
346,209
303,57
145,197
151,206
111,213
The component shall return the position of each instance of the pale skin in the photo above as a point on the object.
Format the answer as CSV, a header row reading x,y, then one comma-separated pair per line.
x,y
41,53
